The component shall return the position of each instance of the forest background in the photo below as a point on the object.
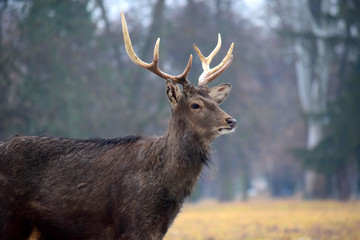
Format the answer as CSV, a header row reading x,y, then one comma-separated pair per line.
x,y
295,76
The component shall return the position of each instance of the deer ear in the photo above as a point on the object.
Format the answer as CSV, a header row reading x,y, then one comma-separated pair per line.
x,y
220,92
173,93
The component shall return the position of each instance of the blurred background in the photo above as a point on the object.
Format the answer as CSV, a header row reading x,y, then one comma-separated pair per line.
x,y
295,78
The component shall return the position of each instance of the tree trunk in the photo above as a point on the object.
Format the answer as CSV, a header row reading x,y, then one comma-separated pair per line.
x,y
313,56
343,182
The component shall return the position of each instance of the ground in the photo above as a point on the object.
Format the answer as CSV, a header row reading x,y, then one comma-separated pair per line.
x,y
272,219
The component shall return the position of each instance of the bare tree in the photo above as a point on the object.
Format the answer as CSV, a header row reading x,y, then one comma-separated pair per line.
x,y
311,44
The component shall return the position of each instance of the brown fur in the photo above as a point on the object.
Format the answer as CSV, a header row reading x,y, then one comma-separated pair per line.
x,y
122,188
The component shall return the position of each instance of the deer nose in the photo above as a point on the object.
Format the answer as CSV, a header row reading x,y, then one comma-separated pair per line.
x,y
231,122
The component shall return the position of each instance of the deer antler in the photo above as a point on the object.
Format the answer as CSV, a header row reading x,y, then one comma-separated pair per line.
x,y
153,66
210,74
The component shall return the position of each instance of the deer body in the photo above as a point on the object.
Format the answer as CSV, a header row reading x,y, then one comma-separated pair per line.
x,y
72,189
123,188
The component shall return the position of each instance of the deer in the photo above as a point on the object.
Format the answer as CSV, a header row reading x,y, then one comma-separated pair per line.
x,y
130,187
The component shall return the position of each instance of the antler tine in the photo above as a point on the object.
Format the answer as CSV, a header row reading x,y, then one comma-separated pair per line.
x,y
153,66
128,46
210,74
207,60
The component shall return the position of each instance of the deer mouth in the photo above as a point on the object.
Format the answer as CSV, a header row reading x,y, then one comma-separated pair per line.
x,y
229,128
226,130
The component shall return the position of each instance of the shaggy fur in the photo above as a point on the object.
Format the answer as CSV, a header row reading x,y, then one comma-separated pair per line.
x,y
122,188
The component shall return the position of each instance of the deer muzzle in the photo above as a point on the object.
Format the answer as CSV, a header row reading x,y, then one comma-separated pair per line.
x,y
231,122
229,128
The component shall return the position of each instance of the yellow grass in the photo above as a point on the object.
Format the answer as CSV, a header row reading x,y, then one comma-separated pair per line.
x,y
282,219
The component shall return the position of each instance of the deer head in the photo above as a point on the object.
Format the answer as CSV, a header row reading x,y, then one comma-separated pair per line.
x,y
195,106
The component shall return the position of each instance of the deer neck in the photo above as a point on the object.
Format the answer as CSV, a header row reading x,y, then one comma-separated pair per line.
x,y
185,144
186,154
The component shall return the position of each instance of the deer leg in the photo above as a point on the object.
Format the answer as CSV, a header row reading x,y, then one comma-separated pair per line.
x,y
13,228
35,235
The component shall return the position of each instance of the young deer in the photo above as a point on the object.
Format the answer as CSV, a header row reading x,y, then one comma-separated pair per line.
x,y
123,188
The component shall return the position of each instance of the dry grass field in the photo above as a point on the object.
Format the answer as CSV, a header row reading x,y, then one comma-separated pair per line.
x,y
273,220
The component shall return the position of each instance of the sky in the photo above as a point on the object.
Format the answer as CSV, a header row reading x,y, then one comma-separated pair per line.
x,y
255,10
254,4
253,7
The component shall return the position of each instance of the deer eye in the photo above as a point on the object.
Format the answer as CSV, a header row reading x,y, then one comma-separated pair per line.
x,y
195,106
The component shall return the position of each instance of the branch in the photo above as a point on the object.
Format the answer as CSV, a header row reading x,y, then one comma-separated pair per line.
x,y
323,30
104,16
